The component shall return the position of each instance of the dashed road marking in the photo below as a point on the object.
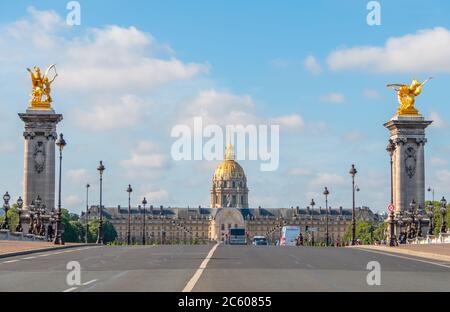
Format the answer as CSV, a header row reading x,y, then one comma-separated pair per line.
x,y
70,289
11,261
29,258
90,282
191,284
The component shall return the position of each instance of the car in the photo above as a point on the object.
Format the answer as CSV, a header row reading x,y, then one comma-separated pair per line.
x,y
259,241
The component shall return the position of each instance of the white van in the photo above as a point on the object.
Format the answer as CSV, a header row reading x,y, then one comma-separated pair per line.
x,y
289,235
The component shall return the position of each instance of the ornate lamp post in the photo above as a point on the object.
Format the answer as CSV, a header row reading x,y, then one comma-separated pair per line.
x,y
432,192
326,193
412,220
313,203
144,202
86,218
37,208
431,217
60,142
129,190
419,216
353,172
443,214
31,228
19,209
100,169
6,198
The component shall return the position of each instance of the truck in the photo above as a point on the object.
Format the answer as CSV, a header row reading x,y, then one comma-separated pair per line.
x,y
289,235
237,236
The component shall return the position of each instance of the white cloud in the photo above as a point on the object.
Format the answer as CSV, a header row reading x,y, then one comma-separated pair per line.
x,y
107,116
280,63
353,136
72,200
145,156
157,197
221,108
425,51
299,172
438,162
111,59
312,65
438,122
290,122
336,98
121,58
371,94
6,146
79,176
327,179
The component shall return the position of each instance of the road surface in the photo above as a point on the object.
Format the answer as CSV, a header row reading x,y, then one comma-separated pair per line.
x,y
220,268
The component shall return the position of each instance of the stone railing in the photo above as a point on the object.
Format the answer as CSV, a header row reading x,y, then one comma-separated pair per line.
x,y
443,238
19,236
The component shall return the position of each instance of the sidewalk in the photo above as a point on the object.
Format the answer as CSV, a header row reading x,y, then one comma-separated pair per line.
x,y
11,248
440,252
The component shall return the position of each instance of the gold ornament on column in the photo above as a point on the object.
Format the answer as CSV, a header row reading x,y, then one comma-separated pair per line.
x,y
406,96
41,87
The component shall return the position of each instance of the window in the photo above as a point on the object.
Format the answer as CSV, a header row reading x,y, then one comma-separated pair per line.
x,y
234,184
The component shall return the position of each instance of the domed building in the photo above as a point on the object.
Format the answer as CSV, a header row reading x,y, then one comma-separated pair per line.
x,y
229,208
229,183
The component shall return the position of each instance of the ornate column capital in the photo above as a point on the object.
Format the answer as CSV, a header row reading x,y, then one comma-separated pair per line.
x,y
29,135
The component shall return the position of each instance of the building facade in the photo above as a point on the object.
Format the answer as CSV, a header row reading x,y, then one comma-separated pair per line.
x,y
229,209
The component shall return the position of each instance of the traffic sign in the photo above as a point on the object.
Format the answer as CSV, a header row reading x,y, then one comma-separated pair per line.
x,y
391,208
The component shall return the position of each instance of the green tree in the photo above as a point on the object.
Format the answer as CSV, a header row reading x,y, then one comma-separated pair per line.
x,y
73,229
13,217
109,233
367,232
437,216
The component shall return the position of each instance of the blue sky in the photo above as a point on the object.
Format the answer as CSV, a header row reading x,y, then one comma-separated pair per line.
x,y
134,69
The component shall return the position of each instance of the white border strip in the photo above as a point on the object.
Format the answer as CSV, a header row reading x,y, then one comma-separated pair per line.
x,y
404,257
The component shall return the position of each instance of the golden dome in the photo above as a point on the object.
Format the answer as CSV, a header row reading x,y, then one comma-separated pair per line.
x,y
229,168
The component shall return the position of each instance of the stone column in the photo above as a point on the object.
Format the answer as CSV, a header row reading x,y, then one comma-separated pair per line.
x,y
39,156
408,133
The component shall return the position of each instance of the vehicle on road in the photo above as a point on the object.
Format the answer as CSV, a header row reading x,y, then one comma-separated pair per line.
x,y
260,241
237,236
289,235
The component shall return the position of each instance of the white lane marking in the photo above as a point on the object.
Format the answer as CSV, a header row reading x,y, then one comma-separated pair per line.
x,y
44,255
90,282
70,289
403,257
29,258
190,285
11,261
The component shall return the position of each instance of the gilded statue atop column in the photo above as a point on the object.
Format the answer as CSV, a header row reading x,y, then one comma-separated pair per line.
x,y
41,87
406,96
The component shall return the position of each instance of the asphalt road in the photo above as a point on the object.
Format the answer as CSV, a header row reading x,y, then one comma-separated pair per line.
x,y
225,268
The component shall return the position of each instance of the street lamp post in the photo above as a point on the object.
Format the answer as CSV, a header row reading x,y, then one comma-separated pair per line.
x,y
60,142
129,190
443,214
144,202
391,149
38,202
313,203
19,209
6,198
100,169
431,216
326,193
419,216
353,172
86,218
412,223
432,192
